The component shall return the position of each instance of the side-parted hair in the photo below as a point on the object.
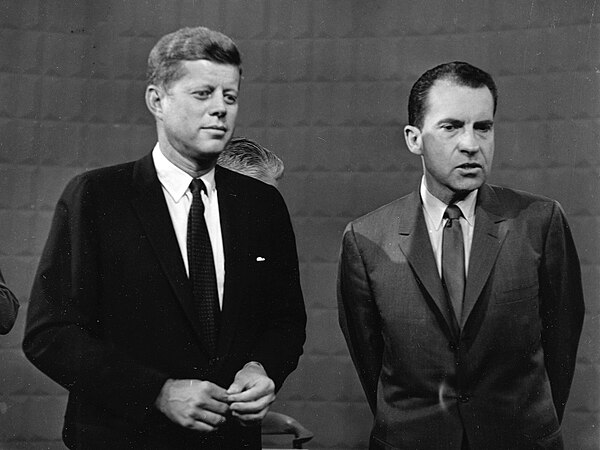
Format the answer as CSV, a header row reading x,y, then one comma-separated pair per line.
x,y
249,158
461,73
189,44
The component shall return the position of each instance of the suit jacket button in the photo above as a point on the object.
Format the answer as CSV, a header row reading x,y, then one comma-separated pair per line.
x,y
463,398
452,346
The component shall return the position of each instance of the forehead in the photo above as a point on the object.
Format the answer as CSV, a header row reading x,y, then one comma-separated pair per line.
x,y
447,99
203,71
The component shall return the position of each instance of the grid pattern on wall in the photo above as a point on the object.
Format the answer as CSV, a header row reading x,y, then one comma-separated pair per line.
x,y
325,86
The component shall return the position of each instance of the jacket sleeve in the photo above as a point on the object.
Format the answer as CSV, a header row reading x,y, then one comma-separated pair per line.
x,y
562,306
280,345
9,305
359,317
64,334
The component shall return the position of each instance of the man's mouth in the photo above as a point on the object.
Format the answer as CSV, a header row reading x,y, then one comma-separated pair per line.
x,y
216,128
469,166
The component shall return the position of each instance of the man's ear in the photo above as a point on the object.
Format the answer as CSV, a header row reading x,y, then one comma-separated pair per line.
x,y
414,139
154,100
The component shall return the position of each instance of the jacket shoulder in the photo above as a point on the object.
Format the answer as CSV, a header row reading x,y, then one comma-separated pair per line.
x,y
508,195
104,182
245,186
513,202
106,174
386,215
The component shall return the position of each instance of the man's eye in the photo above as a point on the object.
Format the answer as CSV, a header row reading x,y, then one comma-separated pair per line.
x,y
202,95
230,99
449,127
484,128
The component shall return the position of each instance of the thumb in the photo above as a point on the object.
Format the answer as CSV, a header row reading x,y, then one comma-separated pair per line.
x,y
234,389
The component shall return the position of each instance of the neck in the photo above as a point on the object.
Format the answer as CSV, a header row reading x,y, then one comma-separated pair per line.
x,y
445,195
193,167
457,197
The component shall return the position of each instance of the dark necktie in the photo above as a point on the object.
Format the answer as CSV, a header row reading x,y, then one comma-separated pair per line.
x,y
202,268
453,259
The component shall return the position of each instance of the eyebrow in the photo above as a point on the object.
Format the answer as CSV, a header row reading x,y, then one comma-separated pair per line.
x,y
453,122
460,123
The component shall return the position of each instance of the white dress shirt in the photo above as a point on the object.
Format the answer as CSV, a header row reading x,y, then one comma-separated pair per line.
x,y
433,210
176,187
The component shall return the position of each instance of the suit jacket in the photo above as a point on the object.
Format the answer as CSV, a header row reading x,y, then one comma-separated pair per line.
x,y
9,306
502,377
111,316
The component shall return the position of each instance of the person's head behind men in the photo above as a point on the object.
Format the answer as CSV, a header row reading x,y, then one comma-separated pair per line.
x,y
451,117
193,85
249,158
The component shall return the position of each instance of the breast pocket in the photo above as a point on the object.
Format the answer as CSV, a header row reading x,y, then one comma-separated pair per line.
x,y
258,268
516,290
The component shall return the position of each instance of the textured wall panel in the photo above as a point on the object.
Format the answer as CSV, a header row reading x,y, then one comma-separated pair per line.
x,y
325,86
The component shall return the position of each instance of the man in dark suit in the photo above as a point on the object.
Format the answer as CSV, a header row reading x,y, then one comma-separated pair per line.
x,y
9,306
167,299
461,303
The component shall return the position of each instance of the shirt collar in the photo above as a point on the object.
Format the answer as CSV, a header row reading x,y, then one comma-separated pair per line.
x,y
435,208
175,181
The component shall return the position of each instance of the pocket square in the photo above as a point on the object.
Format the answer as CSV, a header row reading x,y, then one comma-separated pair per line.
x,y
260,259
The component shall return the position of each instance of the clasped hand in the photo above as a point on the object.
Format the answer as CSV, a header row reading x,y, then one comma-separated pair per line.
x,y
204,406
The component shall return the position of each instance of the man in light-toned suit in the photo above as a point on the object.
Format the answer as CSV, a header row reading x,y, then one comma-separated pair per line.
x,y
476,352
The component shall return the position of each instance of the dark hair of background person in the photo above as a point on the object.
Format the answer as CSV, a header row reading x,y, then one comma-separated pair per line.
x,y
247,157
461,73
189,44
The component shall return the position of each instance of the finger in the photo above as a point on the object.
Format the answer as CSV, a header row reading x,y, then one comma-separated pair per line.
x,y
252,407
209,418
254,393
235,388
213,405
247,396
211,397
250,419
192,424
240,383
213,391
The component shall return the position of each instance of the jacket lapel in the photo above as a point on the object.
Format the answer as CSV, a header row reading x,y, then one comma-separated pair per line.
x,y
149,203
231,213
416,246
488,237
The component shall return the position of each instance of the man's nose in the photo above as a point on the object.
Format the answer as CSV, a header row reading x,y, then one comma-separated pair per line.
x,y
218,107
469,141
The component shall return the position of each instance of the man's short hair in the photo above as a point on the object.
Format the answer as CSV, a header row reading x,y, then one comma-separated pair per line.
x,y
461,73
249,158
189,44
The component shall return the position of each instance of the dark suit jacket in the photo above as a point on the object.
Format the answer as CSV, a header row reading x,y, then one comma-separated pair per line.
x,y
9,306
503,379
111,316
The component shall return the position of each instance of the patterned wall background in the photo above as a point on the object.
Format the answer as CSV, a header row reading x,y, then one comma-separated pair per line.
x,y
325,86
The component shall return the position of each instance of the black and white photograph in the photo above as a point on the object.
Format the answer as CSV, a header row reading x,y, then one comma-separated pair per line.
x,y
319,224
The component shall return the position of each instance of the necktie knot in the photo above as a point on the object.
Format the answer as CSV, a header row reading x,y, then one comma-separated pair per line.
x,y
197,186
453,212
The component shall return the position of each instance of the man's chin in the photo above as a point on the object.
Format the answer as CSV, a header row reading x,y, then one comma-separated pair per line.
x,y
472,181
467,186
